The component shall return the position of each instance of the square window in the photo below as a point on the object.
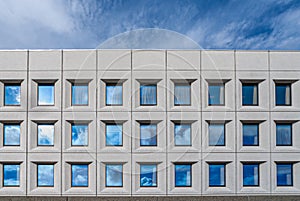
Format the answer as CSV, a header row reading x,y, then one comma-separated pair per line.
x,y
250,94
11,136
114,175
114,134
216,94
216,134
80,176
250,174
183,175
182,94
283,94
182,134
80,134
45,94
148,94
45,134
11,175
114,94
284,174
80,94
12,95
216,175
148,175
45,175
283,134
148,134
250,134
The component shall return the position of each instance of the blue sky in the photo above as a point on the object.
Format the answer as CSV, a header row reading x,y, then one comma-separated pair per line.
x,y
216,24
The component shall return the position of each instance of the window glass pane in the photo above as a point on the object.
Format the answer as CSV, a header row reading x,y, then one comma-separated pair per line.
x,y
148,175
46,95
283,134
250,94
250,134
284,174
11,135
79,135
148,134
12,94
183,175
148,95
45,134
114,135
114,175
283,94
216,135
114,94
80,175
80,94
216,175
216,94
182,134
11,175
182,94
45,175
250,174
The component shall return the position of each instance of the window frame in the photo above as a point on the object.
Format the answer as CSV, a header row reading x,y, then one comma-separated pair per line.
x,y
113,84
290,95
190,90
148,84
258,173
38,93
258,134
4,95
220,84
110,164
191,174
257,95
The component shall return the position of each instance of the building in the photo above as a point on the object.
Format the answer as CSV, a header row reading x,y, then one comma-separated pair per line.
x,y
149,122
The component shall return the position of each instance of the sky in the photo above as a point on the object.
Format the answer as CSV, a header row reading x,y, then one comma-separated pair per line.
x,y
159,24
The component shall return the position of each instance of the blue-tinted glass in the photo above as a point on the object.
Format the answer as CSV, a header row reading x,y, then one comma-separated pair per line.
x,y
216,175
114,135
182,134
80,135
216,135
182,94
80,95
216,95
46,95
12,94
148,175
283,134
80,175
148,95
283,94
114,94
114,175
249,94
183,175
250,174
45,175
250,134
11,135
148,134
11,175
284,174
45,134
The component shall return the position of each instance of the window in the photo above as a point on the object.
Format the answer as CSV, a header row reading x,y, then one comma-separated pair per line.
x,y
283,94
80,174
182,94
114,94
114,175
250,134
182,134
45,94
80,134
284,174
283,134
12,94
183,175
216,175
148,134
114,134
216,134
250,94
11,136
148,94
45,134
250,174
80,94
45,175
148,175
216,94
11,175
